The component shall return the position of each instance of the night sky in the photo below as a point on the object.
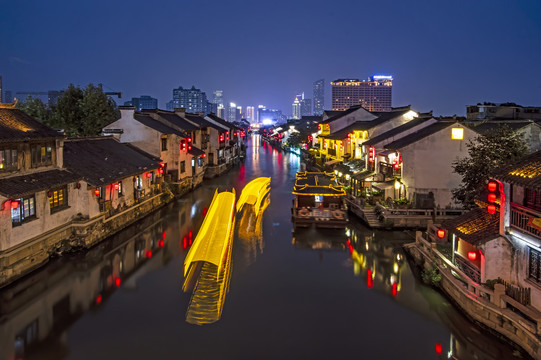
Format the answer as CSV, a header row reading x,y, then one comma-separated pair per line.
x,y
443,54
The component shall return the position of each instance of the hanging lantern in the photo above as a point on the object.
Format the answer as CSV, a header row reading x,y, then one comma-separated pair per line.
x,y
472,255
14,204
492,186
491,209
441,233
149,175
97,192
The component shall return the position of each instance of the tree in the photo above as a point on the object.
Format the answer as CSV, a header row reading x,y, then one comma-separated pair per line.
x,y
36,109
84,112
486,152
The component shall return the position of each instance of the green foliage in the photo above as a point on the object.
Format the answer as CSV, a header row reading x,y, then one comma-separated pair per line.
x,y
402,201
294,139
487,152
80,112
35,108
432,277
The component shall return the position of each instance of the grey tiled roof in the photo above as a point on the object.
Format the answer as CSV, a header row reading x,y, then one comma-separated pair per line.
x,y
23,185
16,125
420,134
525,172
102,161
158,126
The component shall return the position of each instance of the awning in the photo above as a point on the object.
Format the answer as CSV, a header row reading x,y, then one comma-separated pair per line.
x,y
332,162
387,152
195,151
383,185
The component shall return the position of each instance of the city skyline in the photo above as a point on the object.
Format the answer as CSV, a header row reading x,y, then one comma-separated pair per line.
x,y
433,69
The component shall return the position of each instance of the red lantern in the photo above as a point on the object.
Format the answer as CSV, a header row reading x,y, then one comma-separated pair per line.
x,y
118,281
14,204
491,209
97,192
116,186
441,233
472,255
149,254
149,175
492,186
394,290
491,197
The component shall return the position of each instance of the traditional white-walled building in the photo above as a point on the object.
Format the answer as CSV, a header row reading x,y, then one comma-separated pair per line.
x,y
420,164
168,136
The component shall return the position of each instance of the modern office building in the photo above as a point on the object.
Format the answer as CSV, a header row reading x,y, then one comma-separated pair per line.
x,y
8,96
503,111
143,102
193,100
374,94
319,97
218,98
232,112
250,114
269,116
296,108
221,112
306,106
301,106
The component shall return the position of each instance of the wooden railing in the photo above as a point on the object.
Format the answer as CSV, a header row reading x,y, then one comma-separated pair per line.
x,y
520,219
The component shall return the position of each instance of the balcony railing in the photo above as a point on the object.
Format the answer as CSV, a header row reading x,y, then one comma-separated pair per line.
x,y
388,170
471,271
522,217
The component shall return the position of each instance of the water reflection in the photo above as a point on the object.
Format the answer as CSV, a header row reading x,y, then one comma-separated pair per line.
x,y
43,305
210,284
250,232
377,259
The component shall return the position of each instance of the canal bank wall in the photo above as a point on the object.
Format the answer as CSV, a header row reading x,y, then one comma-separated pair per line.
x,y
76,235
491,309
82,234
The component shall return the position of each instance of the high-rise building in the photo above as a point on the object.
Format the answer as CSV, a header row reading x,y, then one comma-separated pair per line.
x,y
269,116
8,96
374,94
296,108
319,97
143,102
218,98
250,114
306,106
193,100
232,112
221,112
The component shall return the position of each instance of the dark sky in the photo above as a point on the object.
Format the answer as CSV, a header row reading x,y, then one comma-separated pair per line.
x,y
443,54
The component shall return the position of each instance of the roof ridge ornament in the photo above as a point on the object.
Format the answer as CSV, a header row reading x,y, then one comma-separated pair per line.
x,y
10,105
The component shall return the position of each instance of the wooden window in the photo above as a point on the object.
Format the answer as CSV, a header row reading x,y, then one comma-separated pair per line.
x,y
8,159
164,144
534,269
533,199
25,211
58,199
42,155
183,166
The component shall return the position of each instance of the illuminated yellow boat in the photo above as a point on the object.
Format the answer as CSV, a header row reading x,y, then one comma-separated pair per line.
x,y
253,193
319,201
214,236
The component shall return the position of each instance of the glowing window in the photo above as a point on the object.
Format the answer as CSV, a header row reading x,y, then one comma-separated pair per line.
x,y
457,133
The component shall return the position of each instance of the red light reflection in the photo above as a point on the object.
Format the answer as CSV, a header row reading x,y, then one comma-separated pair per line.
x,y
118,281
439,349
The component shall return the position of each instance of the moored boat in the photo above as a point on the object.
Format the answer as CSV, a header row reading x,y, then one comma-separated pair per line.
x,y
319,201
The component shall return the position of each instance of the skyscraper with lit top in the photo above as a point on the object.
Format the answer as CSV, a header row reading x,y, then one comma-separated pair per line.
x,y
374,94
319,97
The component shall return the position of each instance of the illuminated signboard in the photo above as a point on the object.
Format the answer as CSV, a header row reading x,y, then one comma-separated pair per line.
x,y
379,77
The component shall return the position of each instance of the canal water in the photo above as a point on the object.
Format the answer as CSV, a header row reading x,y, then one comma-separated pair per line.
x,y
290,295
